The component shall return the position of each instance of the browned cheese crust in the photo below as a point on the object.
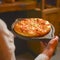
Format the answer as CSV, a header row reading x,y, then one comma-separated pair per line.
x,y
32,27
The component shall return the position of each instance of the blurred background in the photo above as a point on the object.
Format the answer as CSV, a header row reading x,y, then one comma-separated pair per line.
x,y
49,10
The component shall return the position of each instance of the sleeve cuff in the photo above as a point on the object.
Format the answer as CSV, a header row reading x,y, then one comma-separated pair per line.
x,y
42,57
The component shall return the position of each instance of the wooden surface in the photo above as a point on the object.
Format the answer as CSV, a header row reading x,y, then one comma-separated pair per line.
x,y
8,1
17,6
52,15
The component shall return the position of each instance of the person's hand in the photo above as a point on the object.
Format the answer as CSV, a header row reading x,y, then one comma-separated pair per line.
x,y
51,47
43,45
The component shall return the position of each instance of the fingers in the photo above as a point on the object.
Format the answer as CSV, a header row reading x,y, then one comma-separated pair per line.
x,y
43,44
51,47
53,42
